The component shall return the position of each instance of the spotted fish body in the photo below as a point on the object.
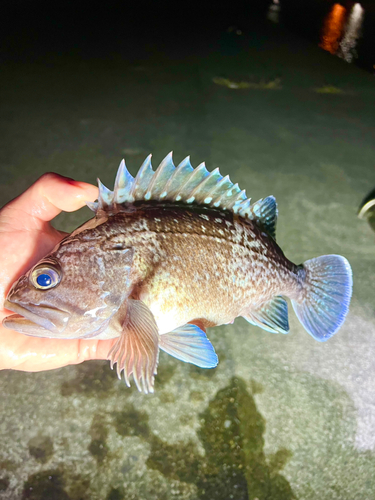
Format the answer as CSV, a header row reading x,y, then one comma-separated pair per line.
x,y
168,254
201,263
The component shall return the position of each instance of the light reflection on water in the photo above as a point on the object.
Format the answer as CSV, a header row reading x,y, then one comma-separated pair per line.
x,y
352,33
333,28
342,30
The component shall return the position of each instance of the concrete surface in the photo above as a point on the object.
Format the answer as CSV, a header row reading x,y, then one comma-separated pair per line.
x,y
282,417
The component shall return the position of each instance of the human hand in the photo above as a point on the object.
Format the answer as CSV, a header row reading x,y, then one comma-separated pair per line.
x,y
25,237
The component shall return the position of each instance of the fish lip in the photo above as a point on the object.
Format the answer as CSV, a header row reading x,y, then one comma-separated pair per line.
x,y
33,320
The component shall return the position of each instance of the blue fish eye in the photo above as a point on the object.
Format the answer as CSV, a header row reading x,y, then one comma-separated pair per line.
x,y
45,276
44,280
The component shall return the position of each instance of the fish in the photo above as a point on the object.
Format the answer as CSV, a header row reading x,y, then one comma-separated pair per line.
x,y
167,255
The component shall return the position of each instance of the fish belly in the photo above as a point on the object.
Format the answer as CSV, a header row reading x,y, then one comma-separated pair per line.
x,y
175,303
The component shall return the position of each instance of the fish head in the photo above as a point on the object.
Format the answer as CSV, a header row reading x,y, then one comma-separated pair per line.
x,y
75,291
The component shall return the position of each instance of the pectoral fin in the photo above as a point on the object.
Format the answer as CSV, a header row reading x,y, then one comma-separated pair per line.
x,y
136,351
271,316
190,344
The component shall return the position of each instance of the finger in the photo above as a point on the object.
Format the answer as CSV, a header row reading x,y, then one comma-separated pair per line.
x,y
24,353
93,349
46,198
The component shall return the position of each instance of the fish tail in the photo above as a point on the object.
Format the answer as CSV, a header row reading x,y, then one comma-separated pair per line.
x,y
327,289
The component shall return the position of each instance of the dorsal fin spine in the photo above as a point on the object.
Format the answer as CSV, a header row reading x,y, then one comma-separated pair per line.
x,y
142,179
203,191
184,166
190,180
216,201
201,183
105,198
123,184
166,168
240,198
186,184
93,205
244,208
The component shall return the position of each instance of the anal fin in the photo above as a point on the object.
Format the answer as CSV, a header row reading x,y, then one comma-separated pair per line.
x,y
136,351
190,344
271,316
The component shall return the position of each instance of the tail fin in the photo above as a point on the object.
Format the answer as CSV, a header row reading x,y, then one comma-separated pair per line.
x,y
328,289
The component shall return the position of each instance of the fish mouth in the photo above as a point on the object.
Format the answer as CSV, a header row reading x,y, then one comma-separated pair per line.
x,y
28,322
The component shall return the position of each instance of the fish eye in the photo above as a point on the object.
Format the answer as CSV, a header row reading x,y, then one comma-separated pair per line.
x,y
45,277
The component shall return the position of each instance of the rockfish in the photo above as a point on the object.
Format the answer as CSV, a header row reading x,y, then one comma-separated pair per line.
x,y
168,254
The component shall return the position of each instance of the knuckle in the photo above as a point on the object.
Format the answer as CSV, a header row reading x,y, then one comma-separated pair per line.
x,y
49,176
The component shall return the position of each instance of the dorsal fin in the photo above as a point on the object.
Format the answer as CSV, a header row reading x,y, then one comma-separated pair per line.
x,y
265,212
185,184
